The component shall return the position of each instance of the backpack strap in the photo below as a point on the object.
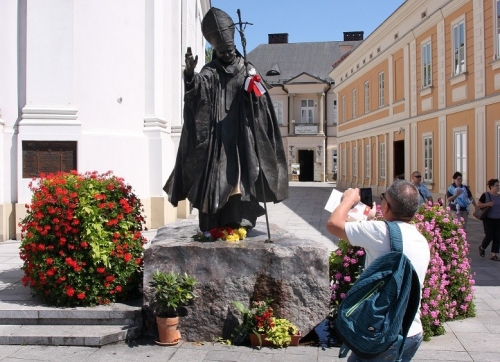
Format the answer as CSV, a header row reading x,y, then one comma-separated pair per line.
x,y
421,194
414,300
395,236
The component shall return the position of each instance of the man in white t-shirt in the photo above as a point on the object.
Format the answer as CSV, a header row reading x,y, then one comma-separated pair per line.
x,y
399,203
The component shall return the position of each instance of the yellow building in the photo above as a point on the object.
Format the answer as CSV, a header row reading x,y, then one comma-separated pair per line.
x,y
422,92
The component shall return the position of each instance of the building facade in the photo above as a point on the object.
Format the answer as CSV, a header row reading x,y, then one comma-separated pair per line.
x,y
304,101
422,92
94,86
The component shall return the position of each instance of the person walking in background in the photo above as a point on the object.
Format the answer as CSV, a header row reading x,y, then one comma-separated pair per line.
x,y
459,198
491,223
399,203
425,194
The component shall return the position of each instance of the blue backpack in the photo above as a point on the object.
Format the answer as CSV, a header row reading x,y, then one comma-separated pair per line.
x,y
379,308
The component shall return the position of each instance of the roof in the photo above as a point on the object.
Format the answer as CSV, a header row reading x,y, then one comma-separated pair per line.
x,y
278,63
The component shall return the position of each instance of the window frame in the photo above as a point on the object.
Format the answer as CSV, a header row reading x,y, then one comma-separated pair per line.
x,y
344,161
334,113
498,146
460,161
427,67
367,97
355,161
427,171
343,109
496,25
354,102
382,163
381,89
368,161
278,109
308,108
456,57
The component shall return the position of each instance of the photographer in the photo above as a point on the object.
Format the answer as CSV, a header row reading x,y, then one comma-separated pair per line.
x,y
399,203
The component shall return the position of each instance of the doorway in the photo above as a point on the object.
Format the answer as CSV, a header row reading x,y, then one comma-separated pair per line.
x,y
399,159
306,161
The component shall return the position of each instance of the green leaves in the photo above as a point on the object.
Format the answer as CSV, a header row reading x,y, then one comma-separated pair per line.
x,y
172,290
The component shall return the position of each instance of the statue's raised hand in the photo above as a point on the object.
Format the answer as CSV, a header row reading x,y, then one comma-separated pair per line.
x,y
190,62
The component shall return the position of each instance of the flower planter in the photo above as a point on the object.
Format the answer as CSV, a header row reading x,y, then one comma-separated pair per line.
x,y
254,340
168,334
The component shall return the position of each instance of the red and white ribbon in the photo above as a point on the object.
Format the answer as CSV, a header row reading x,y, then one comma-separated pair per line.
x,y
252,84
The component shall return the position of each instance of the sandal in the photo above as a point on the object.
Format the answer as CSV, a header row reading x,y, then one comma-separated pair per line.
x,y
495,258
481,251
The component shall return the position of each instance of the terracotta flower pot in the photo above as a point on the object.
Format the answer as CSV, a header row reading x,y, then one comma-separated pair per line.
x,y
168,334
254,340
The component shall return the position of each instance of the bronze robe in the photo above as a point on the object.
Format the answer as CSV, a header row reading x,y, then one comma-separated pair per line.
x,y
217,168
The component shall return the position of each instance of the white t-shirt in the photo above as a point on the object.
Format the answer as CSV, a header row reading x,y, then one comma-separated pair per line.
x,y
373,236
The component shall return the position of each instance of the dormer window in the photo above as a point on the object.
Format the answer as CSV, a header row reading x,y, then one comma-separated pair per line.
x,y
275,70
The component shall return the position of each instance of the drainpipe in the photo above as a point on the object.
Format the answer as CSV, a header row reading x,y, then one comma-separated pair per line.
x,y
325,127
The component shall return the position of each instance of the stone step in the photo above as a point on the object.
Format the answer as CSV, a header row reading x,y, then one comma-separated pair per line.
x,y
67,335
36,314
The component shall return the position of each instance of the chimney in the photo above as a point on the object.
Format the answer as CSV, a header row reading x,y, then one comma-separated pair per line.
x,y
345,48
278,38
353,35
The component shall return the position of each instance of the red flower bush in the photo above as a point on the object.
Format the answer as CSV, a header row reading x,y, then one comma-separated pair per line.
x,y
81,239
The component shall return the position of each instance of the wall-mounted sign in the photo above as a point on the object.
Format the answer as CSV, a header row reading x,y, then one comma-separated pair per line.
x,y
306,129
295,168
48,157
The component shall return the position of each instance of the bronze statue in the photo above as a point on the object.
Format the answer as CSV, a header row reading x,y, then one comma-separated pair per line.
x,y
217,166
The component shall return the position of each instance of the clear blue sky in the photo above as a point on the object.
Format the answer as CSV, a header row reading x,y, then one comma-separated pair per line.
x,y
306,21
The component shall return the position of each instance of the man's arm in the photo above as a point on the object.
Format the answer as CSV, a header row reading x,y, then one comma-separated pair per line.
x,y
336,222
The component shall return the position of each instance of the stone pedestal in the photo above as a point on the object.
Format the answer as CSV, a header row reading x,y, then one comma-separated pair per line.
x,y
291,271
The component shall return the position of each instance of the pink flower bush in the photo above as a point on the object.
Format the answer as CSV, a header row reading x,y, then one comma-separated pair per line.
x,y
448,286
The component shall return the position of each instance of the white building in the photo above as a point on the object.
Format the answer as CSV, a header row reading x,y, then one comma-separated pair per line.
x,y
93,85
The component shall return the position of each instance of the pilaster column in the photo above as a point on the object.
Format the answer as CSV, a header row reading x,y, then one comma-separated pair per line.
x,y
291,122
321,101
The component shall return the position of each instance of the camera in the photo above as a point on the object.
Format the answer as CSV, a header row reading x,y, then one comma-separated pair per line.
x,y
366,196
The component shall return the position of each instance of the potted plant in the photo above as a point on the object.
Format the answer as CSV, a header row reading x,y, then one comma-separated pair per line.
x,y
171,291
263,328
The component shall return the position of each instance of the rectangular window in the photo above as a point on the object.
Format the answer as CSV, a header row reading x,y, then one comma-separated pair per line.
x,y
428,166
355,162
307,111
497,27
381,89
334,113
498,150
382,161
344,161
460,137
459,48
343,108
334,167
367,97
278,109
426,65
367,161
354,103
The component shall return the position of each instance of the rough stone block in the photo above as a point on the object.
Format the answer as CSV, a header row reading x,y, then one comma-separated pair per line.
x,y
291,271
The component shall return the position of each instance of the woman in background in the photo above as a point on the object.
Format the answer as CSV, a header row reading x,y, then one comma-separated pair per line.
x,y
491,223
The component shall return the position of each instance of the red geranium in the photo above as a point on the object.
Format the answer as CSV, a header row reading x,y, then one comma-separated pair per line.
x,y
80,232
